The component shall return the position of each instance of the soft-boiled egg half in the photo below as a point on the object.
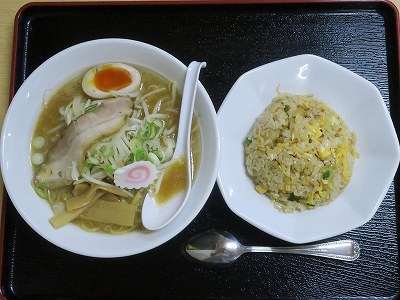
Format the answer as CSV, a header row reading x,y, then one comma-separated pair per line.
x,y
112,79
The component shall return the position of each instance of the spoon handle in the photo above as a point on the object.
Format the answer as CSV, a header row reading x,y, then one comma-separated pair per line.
x,y
342,250
187,107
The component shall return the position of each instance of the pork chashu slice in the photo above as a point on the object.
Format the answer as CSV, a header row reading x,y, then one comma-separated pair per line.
x,y
79,135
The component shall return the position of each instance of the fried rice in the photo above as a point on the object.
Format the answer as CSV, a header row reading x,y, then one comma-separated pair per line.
x,y
300,153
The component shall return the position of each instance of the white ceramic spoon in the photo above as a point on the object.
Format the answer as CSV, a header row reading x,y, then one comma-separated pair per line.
x,y
155,216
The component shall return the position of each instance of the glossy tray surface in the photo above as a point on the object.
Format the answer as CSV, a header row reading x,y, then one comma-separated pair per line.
x,y
232,39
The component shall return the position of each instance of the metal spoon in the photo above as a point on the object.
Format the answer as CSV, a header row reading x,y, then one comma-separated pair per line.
x,y
221,247
154,215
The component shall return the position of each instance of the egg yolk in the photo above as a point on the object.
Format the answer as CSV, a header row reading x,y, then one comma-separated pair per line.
x,y
112,78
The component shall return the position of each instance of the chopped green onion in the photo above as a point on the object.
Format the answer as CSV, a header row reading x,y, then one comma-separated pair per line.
x,y
247,142
140,155
108,151
37,159
159,154
326,175
135,144
42,193
109,169
90,107
38,142
149,130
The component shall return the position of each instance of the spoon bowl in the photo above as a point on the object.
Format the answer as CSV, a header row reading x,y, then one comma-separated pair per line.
x,y
154,215
221,247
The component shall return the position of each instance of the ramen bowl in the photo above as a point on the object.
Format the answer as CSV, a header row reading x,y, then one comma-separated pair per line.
x,y
357,101
17,133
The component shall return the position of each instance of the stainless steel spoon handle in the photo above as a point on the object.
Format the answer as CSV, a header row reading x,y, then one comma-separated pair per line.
x,y
342,250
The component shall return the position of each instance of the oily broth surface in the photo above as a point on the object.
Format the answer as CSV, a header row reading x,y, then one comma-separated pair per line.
x,y
51,121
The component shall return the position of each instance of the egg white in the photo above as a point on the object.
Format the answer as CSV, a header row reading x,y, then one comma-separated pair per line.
x,y
91,90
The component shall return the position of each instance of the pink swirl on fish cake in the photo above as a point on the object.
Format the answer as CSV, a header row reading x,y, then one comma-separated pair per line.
x,y
136,175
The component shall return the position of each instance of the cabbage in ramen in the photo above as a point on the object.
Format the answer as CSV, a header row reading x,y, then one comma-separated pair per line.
x,y
104,140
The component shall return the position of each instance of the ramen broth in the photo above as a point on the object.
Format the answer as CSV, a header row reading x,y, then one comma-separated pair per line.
x,y
51,124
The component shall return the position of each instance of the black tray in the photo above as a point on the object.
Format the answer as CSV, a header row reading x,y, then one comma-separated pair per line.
x,y
232,38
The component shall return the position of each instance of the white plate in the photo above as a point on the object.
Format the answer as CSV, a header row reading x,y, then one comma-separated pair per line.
x,y
20,122
362,108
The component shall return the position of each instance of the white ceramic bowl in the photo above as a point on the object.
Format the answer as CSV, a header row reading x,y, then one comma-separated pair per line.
x,y
20,121
362,108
